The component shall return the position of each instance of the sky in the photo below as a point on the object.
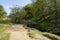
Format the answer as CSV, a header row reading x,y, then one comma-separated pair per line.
x,y
7,4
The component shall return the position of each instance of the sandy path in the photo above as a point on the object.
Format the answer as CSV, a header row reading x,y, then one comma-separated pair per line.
x,y
16,35
17,32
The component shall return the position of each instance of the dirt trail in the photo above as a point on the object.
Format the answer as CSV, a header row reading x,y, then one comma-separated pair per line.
x,y
17,32
16,35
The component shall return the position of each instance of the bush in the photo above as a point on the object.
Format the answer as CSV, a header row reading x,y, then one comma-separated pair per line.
x,y
5,21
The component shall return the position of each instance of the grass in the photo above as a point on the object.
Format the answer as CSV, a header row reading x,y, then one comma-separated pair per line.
x,y
45,34
2,27
6,37
51,36
2,30
33,32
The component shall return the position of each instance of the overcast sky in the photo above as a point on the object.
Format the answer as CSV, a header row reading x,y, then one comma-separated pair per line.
x,y
9,3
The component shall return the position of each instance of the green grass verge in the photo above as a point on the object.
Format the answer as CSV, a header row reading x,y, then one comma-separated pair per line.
x,y
2,30
33,32
45,34
2,27
51,36
6,37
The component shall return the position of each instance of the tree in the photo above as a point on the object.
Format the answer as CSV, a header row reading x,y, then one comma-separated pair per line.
x,y
17,14
2,12
45,13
